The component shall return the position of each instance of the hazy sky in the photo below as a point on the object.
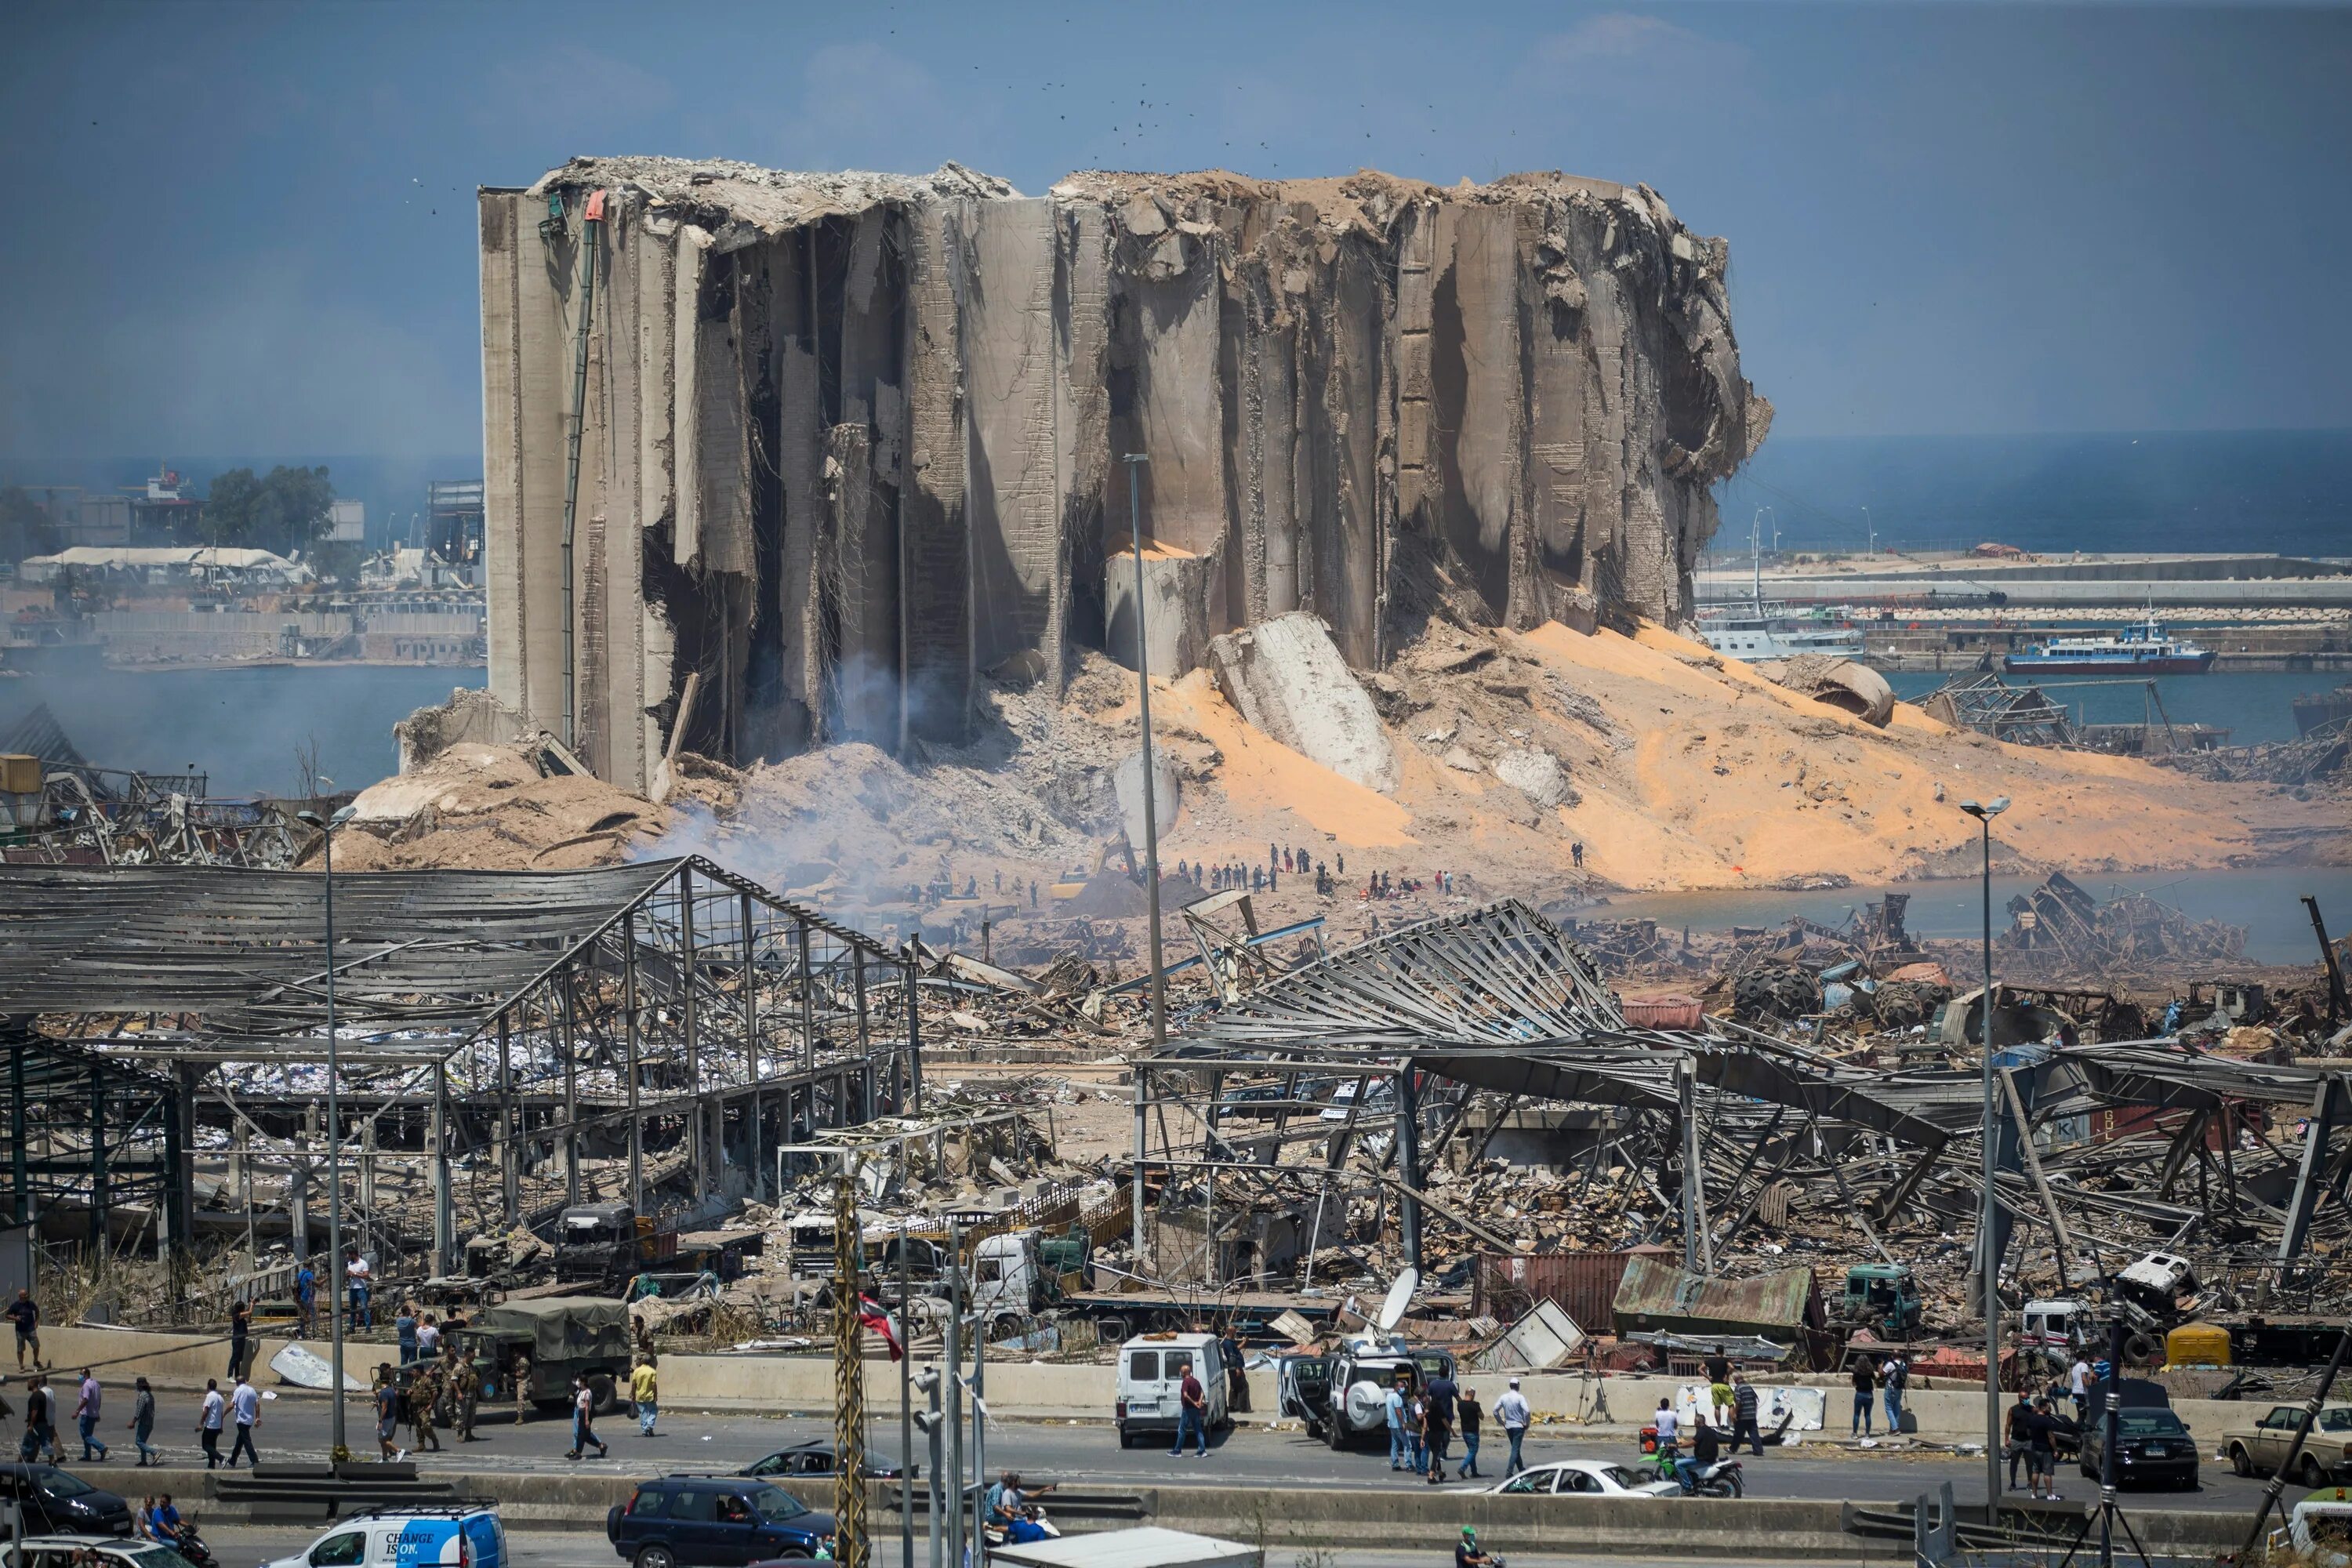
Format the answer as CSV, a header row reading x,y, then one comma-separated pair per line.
x,y
251,228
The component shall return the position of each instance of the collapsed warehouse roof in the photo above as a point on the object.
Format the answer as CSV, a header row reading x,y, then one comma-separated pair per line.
x,y
848,442
666,1006
1735,1123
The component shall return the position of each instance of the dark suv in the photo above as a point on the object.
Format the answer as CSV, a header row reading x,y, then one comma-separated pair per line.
x,y
56,1503
713,1521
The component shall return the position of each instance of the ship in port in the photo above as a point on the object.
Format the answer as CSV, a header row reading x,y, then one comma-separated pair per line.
x,y
2143,650
1766,631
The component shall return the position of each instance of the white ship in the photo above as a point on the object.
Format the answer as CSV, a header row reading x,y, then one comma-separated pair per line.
x,y
1767,631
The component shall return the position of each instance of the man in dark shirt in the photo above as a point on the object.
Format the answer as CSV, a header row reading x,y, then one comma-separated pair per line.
x,y
1718,1367
1469,1414
2020,1435
1466,1551
25,1314
1705,1448
1865,1383
1438,1396
1743,1416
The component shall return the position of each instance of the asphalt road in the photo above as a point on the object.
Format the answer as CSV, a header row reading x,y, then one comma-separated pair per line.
x,y
297,1427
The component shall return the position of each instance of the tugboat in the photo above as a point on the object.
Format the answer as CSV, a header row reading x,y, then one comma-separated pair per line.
x,y
2144,649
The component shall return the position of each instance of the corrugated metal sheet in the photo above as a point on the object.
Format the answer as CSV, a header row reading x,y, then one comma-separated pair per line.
x,y
1581,1284
1656,1297
1663,1013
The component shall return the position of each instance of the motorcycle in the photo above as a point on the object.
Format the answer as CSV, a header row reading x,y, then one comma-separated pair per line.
x,y
190,1545
1722,1478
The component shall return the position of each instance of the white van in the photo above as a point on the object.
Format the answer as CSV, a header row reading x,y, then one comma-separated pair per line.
x,y
460,1535
1151,1369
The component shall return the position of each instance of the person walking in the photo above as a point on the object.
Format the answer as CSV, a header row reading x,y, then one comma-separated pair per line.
x,y
1743,1416
1437,1401
306,1298
1416,1432
25,1314
583,1421
1891,1380
1511,1412
40,1422
244,1407
424,1408
2078,1385
86,1418
386,1399
142,1421
240,1330
644,1389
209,1418
1393,1403
465,1385
1468,1414
1191,1414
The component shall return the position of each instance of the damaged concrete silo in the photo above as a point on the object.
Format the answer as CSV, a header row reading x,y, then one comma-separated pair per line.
x,y
849,442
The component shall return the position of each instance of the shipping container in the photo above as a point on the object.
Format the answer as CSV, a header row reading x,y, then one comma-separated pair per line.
x,y
1581,1284
1663,1013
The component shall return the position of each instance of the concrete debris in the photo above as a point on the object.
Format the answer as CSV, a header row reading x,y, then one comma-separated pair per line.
x,y
1842,683
1288,681
1538,775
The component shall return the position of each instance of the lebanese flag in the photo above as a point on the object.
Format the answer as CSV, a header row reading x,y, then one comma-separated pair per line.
x,y
870,1314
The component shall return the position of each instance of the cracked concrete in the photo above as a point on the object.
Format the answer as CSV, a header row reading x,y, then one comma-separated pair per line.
x,y
853,442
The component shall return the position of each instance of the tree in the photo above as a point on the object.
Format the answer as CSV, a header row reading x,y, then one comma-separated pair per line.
x,y
24,526
282,512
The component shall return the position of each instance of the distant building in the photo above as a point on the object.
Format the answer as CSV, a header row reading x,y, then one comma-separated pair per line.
x,y
346,523
453,510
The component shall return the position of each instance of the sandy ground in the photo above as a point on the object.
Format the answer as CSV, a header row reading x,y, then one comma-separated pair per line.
x,y
1686,771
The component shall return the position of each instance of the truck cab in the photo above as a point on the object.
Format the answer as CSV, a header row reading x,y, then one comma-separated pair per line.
x,y
1882,1296
1011,1279
605,1242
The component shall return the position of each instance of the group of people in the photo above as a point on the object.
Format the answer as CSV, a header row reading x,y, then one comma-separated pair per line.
x,y
1725,1420
158,1519
1888,1378
1423,1423
444,1388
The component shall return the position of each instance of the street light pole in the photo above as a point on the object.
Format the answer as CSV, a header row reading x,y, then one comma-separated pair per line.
x,y
338,1449
1988,1263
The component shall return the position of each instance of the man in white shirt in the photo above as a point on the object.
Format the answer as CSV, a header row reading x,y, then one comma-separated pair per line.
x,y
244,1403
428,1338
1511,1413
208,1422
1665,1423
2078,1384
356,1274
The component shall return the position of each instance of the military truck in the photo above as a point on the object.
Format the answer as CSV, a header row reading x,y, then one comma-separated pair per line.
x,y
545,1344
1883,1297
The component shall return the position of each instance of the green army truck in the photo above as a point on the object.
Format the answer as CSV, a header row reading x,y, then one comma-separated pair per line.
x,y
543,1345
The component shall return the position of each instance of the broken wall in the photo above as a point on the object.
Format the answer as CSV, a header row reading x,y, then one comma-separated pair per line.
x,y
851,443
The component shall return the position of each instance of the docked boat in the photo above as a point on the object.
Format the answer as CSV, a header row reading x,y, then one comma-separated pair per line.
x,y
2144,649
1756,634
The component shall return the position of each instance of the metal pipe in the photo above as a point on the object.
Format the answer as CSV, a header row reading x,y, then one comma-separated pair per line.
x,y
906,1401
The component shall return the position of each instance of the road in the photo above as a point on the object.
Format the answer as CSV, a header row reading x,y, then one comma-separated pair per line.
x,y
297,1427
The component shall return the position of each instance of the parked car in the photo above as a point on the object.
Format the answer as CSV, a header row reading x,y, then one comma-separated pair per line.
x,y
2152,1447
56,1503
110,1551
815,1458
449,1535
706,1521
2259,1450
1583,1477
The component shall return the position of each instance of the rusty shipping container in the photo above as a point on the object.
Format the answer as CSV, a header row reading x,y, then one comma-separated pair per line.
x,y
1581,1284
1663,1013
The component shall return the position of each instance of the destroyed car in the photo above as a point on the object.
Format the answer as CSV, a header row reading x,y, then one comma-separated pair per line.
x,y
1883,1297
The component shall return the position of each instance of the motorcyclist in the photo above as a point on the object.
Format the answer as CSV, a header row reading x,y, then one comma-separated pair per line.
x,y
1466,1553
1706,1447
1008,1509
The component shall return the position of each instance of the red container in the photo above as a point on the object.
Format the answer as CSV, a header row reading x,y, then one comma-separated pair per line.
x,y
1583,1285
1663,1013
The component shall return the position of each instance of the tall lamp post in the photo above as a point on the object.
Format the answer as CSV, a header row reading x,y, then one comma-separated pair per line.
x,y
1988,1263
1134,460
339,1448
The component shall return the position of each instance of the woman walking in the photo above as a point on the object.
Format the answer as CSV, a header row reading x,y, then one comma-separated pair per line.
x,y
142,1423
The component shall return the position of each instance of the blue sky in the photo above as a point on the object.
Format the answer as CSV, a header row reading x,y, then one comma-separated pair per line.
x,y
250,227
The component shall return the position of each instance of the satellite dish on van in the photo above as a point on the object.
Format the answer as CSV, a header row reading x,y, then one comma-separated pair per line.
x,y
1400,1297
